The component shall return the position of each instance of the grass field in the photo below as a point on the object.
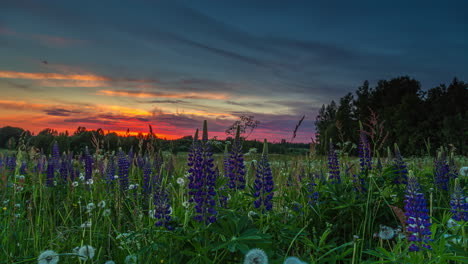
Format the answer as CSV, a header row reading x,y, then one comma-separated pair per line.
x,y
153,216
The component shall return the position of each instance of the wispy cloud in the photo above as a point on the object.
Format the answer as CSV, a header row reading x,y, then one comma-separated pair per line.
x,y
51,76
140,94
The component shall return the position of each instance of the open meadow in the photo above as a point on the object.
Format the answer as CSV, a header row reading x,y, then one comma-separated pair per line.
x,y
144,206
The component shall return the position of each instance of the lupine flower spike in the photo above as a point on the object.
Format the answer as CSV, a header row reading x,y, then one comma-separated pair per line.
x,y
264,182
417,218
202,178
123,163
458,203
442,170
333,165
236,169
400,170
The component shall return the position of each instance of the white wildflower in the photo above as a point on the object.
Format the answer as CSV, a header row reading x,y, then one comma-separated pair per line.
x,y
109,262
106,212
251,214
75,184
131,259
90,181
180,181
101,204
151,213
293,260
48,257
464,171
86,252
82,177
256,256
116,177
386,232
86,224
131,187
186,204
90,207
452,224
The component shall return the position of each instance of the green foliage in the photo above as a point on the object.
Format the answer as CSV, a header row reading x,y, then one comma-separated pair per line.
x,y
400,108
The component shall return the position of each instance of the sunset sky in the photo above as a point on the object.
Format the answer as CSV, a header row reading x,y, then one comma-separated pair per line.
x,y
121,65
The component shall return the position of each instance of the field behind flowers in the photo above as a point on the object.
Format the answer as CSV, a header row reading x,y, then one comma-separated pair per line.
x,y
152,207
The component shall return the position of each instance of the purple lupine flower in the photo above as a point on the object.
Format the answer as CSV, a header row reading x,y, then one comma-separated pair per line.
x,y
56,155
442,170
147,181
110,171
50,173
333,165
123,164
11,162
22,170
364,152
88,160
202,178
399,166
162,208
313,194
417,218
264,182
458,204
359,183
236,168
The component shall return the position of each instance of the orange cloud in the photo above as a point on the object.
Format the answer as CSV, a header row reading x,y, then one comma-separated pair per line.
x,y
213,96
53,76
20,105
73,83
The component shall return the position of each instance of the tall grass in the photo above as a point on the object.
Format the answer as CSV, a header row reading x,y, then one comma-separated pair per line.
x,y
341,226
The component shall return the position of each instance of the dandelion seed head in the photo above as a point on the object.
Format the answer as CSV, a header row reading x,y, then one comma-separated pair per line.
x,y
131,259
48,257
293,260
102,204
386,232
256,256
180,181
452,224
86,224
90,207
86,252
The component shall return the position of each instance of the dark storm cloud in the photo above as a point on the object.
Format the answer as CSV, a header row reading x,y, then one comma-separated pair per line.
x,y
60,112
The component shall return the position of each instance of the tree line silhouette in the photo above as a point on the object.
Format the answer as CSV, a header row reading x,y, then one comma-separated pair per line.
x,y
398,111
